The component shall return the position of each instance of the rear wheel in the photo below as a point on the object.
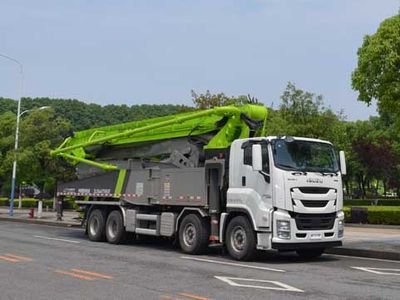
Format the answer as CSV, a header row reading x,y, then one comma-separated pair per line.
x,y
115,231
240,239
193,234
310,253
96,225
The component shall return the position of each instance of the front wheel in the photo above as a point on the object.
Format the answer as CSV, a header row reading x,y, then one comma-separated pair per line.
x,y
240,239
310,253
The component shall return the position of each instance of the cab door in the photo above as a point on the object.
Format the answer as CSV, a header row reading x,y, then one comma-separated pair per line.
x,y
259,181
256,186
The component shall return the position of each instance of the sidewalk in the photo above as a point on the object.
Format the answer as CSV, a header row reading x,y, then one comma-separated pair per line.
x,y
372,241
70,218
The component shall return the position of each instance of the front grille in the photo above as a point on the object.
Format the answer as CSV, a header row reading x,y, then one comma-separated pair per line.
x,y
313,190
314,221
314,203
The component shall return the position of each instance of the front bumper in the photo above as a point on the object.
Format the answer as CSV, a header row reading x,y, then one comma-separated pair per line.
x,y
295,246
325,238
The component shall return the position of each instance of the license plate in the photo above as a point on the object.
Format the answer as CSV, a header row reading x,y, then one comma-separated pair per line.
x,y
316,236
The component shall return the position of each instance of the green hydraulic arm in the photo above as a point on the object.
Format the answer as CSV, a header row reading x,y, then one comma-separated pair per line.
x,y
227,123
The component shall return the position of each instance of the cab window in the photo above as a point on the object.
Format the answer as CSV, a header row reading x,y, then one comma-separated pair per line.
x,y
248,159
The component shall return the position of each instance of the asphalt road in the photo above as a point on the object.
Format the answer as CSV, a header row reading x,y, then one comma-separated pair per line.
x,y
43,262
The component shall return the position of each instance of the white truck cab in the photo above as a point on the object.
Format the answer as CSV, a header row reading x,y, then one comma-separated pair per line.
x,y
291,190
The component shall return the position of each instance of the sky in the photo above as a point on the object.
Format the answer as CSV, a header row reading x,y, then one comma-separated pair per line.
x,y
157,51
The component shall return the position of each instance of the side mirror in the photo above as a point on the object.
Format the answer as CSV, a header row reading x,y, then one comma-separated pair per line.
x,y
342,163
256,157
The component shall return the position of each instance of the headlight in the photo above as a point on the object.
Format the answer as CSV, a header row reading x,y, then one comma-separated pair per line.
x,y
340,228
283,229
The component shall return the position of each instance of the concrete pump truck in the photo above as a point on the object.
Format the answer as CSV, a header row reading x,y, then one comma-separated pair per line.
x,y
208,177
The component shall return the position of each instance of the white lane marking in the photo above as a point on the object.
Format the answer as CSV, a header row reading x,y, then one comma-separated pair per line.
x,y
231,264
380,271
366,258
276,285
56,239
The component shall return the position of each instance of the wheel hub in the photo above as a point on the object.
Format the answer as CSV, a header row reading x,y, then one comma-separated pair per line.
x,y
112,229
94,226
238,239
189,234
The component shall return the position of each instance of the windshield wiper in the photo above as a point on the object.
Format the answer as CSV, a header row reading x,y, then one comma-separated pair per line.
x,y
298,172
291,168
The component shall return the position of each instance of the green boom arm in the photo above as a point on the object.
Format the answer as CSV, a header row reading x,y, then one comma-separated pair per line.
x,y
237,121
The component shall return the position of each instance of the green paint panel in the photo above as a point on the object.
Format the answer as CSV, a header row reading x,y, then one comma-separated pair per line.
x,y
120,181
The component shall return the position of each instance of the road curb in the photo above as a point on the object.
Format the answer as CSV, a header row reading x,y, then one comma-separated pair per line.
x,y
41,222
364,253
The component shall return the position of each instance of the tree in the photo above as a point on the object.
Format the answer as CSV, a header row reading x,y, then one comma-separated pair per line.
x,y
40,131
378,160
377,75
300,104
208,100
303,113
83,116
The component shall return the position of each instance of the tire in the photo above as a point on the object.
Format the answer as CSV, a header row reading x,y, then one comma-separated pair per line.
x,y
96,225
115,231
241,239
193,234
310,253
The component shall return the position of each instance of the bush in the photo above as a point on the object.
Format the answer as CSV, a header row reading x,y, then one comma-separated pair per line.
x,y
385,215
33,203
347,214
26,203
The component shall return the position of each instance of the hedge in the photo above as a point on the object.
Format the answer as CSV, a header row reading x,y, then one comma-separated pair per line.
x,y
385,215
367,202
347,214
33,203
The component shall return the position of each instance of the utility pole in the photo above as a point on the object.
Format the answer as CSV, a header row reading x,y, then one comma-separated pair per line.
x,y
14,170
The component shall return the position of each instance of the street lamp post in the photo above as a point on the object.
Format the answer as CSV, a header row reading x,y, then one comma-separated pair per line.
x,y
14,171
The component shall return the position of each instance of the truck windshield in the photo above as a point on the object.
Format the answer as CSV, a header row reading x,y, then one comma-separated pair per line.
x,y
305,156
